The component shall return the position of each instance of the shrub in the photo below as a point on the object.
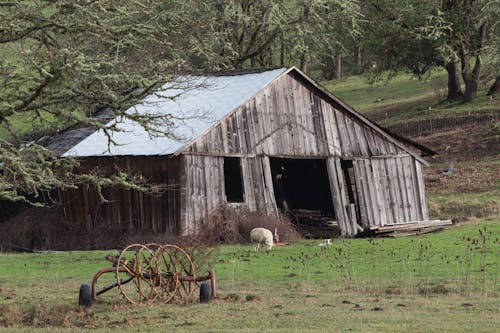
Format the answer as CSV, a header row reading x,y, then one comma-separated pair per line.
x,y
46,229
232,226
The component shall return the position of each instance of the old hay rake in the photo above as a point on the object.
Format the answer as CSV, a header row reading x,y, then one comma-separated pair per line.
x,y
147,273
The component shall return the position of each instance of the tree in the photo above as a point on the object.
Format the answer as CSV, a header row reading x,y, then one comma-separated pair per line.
x,y
318,32
395,43
420,35
65,59
264,33
234,34
470,24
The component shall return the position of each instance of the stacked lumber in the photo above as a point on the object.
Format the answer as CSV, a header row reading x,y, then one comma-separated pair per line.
x,y
312,224
410,228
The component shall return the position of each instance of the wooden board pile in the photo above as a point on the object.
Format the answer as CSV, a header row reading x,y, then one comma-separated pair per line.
x,y
410,228
312,224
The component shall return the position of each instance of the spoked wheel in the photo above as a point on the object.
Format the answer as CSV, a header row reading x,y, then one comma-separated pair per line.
x,y
138,274
182,265
168,271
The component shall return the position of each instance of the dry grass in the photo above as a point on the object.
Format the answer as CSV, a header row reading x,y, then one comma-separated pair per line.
x,y
232,226
297,308
45,229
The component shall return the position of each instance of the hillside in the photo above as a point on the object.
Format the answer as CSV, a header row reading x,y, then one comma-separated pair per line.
x,y
467,136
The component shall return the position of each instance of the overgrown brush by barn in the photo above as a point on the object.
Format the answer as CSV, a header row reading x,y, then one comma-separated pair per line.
x,y
38,229
233,226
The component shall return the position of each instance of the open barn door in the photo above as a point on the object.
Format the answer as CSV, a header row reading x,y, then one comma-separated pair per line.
x,y
302,190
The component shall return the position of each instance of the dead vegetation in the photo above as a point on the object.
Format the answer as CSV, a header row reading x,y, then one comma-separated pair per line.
x,y
231,226
43,316
38,229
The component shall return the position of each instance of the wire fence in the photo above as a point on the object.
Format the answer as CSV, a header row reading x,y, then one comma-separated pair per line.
x,y
430,126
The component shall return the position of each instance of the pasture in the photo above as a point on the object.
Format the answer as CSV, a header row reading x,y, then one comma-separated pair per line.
x,y
442,282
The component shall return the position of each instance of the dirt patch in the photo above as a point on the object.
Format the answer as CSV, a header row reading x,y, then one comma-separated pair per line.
x,y
468,143
467,177
473,188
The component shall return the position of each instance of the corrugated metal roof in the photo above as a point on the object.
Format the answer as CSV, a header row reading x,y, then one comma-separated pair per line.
x,y
206,101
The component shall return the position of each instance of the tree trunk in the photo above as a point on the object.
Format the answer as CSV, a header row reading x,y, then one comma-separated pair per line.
x,y
282,49
454,90
495,87
253,62
303,21
470,90
471,77
357,60
303,61
338,66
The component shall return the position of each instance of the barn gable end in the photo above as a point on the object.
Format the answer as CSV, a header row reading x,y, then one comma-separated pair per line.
x,y
291,117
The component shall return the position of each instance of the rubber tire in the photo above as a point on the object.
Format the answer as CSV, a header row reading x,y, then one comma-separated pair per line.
x,y
205,292
85,296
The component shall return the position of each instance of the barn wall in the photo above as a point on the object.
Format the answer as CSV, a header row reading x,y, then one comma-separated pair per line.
x,y
337,186
204,189
127,209
290,118
390,190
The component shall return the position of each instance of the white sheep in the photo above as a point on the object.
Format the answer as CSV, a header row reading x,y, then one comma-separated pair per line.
x,y
262,236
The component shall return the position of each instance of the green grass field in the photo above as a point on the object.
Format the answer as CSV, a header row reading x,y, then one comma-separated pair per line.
x,y
404,97
443,282
364,95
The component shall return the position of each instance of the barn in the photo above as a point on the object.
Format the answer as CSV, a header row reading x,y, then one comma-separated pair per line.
x,y
270,141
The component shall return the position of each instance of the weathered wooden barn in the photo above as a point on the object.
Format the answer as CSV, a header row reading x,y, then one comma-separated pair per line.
x,y
267,141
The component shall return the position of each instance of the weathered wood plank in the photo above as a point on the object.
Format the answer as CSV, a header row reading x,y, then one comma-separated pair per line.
x,y
363,198
361,139
337,196
409,183
394,190
402,189
387,194
372,192
421,190
379,191
411,225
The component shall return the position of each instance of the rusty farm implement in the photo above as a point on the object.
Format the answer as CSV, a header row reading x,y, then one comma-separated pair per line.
x,y
147,273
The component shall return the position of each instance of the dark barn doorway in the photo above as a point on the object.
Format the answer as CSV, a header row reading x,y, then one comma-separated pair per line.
x,y
302,191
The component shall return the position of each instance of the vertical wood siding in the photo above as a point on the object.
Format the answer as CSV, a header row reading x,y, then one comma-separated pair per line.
x,y
204,189
390,190
127,209
288,118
